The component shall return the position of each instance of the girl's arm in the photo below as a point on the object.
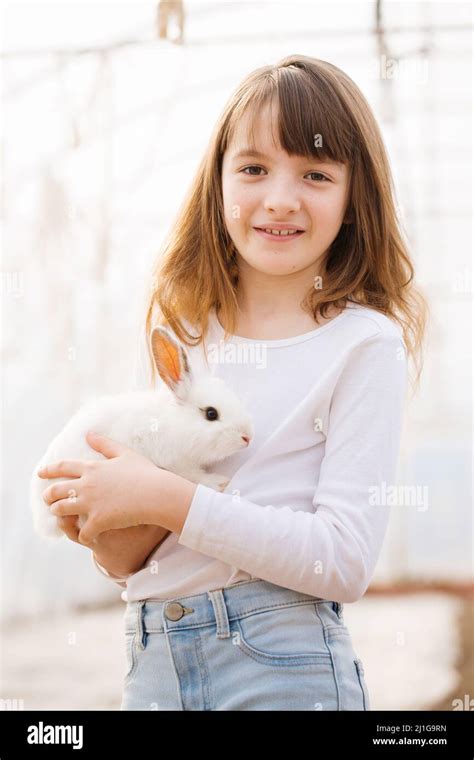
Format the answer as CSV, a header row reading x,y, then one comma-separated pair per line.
x,y
121,552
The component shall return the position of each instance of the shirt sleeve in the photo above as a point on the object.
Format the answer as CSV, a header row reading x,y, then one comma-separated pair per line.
x,y
121,581
330,553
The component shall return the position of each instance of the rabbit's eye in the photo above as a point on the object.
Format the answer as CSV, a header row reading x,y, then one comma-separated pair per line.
x,y
211,413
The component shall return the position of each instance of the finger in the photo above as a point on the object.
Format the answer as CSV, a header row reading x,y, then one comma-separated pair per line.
x,y
105,445
64,489
68,524
64,507
88,533
63,468
72,530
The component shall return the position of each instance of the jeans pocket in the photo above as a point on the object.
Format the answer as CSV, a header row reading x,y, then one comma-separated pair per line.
x,y
286,635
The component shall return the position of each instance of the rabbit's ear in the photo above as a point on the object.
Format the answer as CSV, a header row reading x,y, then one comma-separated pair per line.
x,y
171,361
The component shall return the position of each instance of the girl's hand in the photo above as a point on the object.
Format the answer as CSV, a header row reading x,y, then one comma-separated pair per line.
x,y
68,525
121,552
112,493
109,538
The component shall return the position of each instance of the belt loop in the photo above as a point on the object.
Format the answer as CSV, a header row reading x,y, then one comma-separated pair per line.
x,y
139,629
220,611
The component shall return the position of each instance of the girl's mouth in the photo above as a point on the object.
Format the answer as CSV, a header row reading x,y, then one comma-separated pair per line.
x,y
279,236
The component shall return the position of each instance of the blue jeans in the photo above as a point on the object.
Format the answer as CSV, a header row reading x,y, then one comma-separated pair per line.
x,y
249,646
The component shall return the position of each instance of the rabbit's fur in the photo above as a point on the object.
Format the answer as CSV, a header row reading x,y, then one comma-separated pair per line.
x,y
170,426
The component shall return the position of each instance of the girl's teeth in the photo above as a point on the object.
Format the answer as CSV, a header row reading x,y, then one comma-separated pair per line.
x,y
281,232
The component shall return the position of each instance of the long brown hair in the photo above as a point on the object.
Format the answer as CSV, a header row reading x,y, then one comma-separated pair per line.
x,y
367,263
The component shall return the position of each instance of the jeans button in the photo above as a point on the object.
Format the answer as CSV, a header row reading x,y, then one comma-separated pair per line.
x,y
174,611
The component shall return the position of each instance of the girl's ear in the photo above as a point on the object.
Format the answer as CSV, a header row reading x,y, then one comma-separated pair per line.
x,y
171,361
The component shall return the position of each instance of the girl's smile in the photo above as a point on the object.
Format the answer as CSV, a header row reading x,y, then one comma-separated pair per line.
x,y
276,234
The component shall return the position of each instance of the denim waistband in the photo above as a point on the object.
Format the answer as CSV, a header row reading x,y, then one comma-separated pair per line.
x,y
215,606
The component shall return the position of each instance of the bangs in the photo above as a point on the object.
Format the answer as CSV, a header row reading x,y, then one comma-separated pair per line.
x,y
312,120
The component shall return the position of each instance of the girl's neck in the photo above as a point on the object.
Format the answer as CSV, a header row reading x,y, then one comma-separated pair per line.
x,y
270,324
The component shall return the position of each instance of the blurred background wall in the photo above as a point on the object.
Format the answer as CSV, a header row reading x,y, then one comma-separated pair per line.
x,y
105,122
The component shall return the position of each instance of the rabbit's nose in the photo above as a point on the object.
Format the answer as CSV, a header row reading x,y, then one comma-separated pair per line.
x,y
246,439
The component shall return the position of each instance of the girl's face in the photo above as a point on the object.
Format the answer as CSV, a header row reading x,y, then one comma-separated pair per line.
x,y
273,190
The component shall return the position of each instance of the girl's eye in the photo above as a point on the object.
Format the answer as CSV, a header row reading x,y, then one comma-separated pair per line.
x,y
258,168
253,171
318,174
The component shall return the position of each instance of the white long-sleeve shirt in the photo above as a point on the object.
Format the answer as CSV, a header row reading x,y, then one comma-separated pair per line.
x,y
305,507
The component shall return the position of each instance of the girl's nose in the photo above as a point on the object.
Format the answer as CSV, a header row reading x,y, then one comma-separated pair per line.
x,y
282,194
281,206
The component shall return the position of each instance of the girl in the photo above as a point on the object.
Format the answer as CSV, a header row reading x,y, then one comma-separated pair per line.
x,y
287,249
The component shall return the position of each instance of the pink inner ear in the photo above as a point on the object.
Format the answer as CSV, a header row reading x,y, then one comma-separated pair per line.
x,y
168,357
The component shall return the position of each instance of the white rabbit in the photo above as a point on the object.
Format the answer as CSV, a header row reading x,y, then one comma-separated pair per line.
x,y
184,426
